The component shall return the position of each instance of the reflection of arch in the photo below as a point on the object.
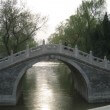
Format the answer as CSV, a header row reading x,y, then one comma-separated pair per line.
x,y
45,58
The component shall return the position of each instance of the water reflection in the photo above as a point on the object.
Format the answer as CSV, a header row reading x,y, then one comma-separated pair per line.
x,y
45,95
47,86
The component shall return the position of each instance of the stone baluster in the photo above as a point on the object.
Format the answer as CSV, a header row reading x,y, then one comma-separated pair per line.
x,y
91,57
76,51
27,51
105,61
60,49
43,43
12,57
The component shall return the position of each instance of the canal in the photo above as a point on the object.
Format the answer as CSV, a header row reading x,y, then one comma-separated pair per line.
x,y
48,86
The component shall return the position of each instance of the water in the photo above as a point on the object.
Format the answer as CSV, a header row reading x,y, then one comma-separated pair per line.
x,y
47,86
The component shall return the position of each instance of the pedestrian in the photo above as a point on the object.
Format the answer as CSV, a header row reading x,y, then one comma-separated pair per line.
x,y
65,44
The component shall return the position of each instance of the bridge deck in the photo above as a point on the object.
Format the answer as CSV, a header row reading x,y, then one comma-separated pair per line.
x,y
55,49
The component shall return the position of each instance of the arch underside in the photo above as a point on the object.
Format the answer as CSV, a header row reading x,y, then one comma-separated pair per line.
x,y
81,82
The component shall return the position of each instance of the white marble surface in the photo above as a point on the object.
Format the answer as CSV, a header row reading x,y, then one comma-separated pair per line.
x,y
102,108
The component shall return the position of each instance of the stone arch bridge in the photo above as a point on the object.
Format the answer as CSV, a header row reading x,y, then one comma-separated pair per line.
x,y
91,75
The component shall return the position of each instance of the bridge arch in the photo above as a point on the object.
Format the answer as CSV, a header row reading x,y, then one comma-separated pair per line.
x,y
93,72
83,79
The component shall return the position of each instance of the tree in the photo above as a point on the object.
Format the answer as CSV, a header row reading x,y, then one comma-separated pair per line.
x,y
58,36
100,38
90,13
18,26
79,27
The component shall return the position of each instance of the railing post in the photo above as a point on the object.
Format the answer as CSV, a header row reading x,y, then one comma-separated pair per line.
x,y
43,43
11,56
27,51
90,57
105,61
76,51
60,49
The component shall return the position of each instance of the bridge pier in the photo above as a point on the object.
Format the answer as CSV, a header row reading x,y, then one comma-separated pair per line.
x,y
78,83
11,84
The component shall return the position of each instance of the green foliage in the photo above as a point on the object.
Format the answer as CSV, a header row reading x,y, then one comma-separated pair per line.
x,y
58,35
86,28
18,27
100,38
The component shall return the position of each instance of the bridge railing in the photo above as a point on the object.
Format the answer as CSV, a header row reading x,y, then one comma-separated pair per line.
x,y
51,48
69,50
4,59
84,56
54,49
20,56
35,51
89,58
98,62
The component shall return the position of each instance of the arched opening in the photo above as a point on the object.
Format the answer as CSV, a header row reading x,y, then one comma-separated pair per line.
x,y
48,87
79,77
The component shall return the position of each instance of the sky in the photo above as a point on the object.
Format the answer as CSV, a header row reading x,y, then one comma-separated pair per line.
x,y
56,12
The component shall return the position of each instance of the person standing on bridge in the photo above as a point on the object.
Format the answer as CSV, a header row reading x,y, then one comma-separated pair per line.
x,y
65,44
